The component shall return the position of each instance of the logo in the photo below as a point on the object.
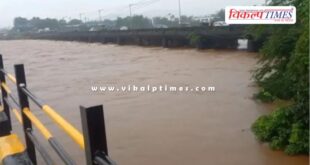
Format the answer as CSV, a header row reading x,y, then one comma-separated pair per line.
x,y
260,15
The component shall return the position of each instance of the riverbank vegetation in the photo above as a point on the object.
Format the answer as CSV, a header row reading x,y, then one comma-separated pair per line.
x,y
36,24
284,74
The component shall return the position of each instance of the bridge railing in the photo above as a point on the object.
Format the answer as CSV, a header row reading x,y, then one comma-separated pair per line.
x,y
93,140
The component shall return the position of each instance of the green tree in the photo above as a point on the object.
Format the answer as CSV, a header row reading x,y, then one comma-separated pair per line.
x,y
284,74
75,22
219,16
134,22
21,24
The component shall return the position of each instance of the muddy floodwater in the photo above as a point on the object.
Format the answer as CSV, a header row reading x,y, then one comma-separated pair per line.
x,y
144,128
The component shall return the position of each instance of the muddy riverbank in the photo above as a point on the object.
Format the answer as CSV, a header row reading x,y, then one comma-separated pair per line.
x,y
161,128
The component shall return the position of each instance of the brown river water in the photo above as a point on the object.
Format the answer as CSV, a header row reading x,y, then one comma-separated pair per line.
x,y
161,128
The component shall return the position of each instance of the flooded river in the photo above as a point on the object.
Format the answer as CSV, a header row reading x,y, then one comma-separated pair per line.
x,y
161,128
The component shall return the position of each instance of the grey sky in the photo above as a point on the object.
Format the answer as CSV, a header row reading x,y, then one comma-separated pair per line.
x,y
9,9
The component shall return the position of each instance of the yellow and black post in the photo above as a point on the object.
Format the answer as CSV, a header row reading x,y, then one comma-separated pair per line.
x,y
5,118
93,124
24,104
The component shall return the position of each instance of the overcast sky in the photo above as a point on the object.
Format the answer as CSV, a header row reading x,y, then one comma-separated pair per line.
x,y
9,9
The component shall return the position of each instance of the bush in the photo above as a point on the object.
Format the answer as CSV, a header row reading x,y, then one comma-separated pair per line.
x,y
195,38
284,74
264,96
298,141
283,130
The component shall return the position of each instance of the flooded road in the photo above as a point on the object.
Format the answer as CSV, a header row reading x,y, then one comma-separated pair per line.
x,y
158,128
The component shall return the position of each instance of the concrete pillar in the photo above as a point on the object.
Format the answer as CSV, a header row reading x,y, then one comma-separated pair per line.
x,y
164,42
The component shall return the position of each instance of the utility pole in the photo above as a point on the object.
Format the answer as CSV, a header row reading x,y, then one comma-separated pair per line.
x,y
99,14
180,14
81,17
130,12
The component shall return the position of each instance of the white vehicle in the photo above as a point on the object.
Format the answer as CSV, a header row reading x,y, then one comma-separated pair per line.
x,y
44,30
161,26
220,23
123,28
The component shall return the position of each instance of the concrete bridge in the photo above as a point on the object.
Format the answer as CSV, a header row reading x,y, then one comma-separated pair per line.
x,y
199,37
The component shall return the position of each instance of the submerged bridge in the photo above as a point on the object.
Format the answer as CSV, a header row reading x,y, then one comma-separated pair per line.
x,y
200,37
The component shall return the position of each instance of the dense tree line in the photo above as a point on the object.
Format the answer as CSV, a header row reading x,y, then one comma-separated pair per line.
x,y
134,22
284,74
22,24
